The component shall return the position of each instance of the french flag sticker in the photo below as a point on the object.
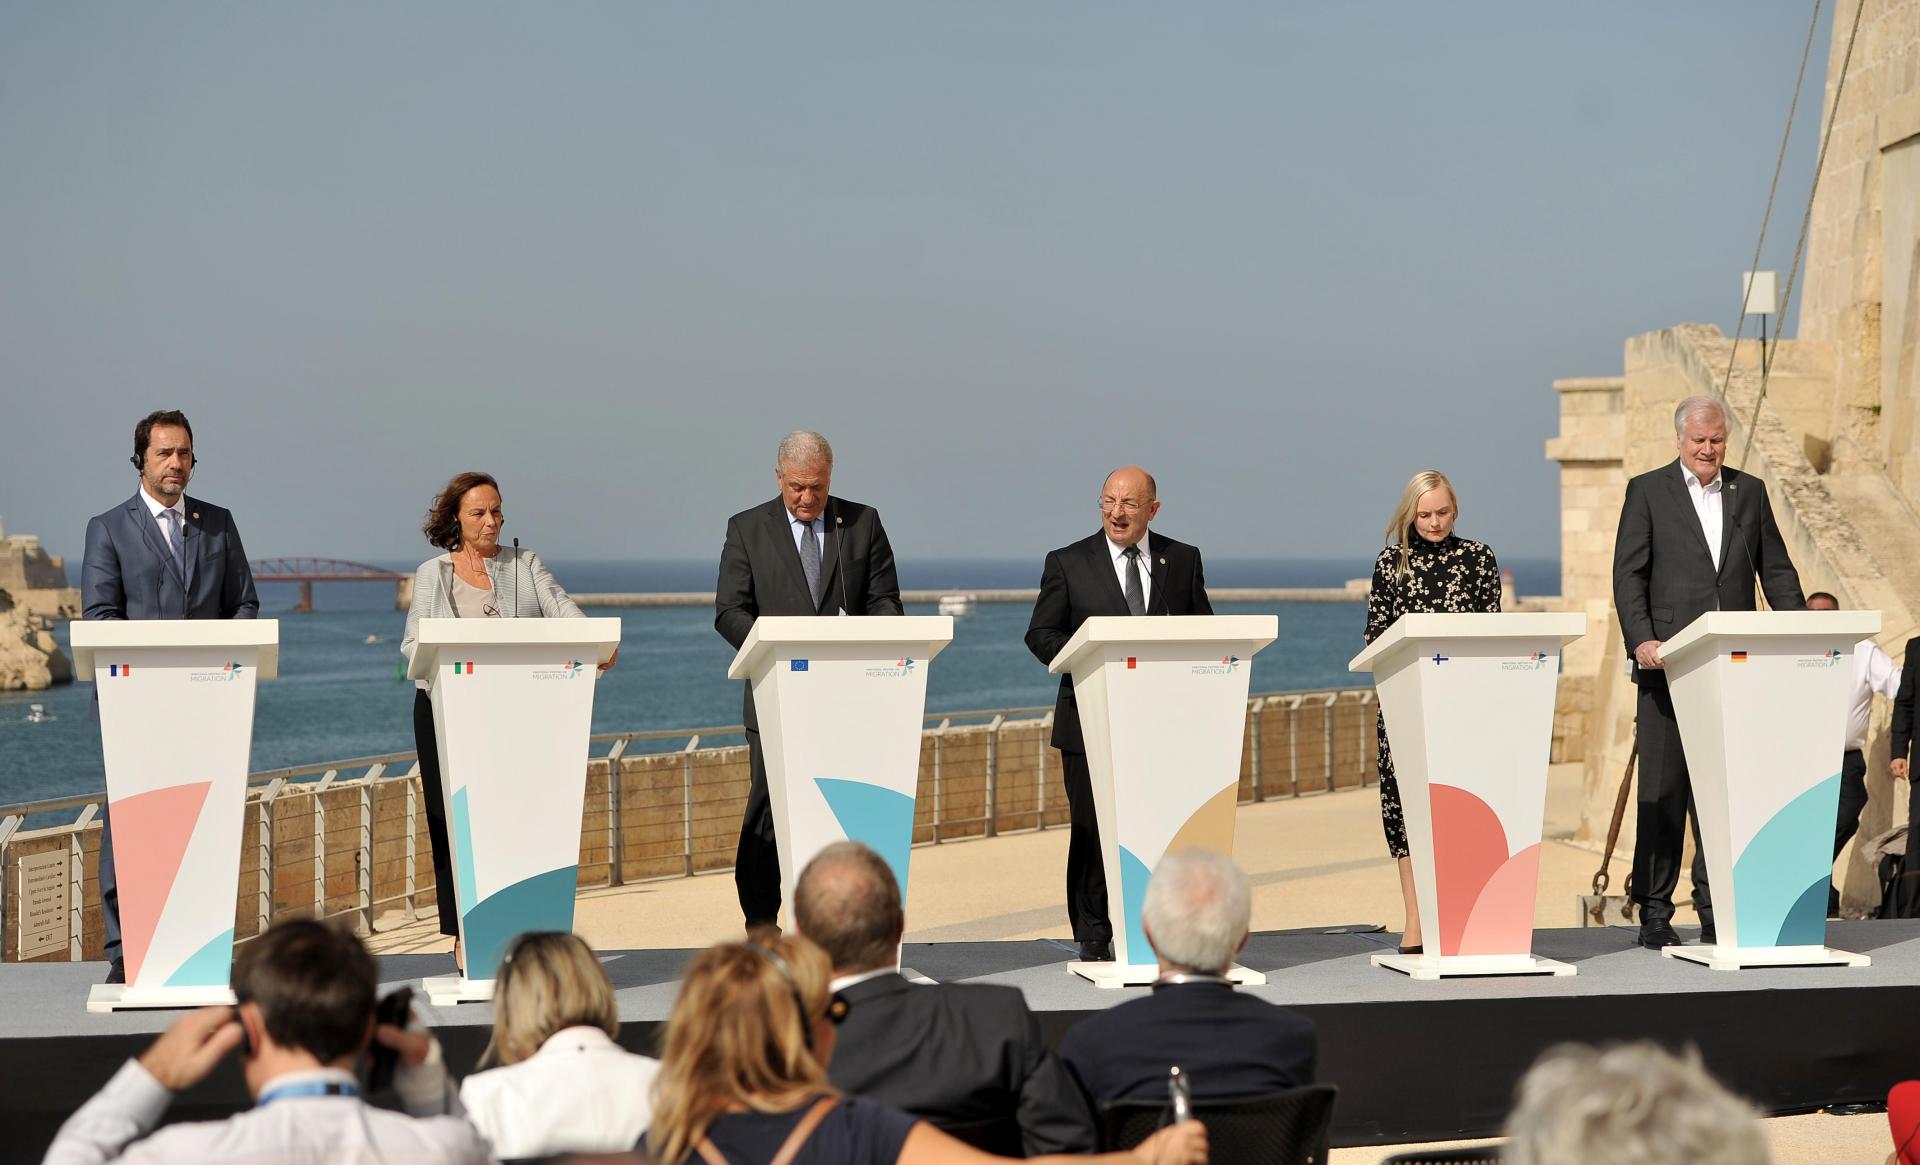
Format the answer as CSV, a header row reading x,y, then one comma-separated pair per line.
x,y
119,669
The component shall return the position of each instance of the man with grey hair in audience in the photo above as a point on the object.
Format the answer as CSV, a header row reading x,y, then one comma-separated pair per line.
x,y
805,552
1580,1105
1196,914
968,1057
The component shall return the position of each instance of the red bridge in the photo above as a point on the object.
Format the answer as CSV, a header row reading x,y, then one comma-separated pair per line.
x,y
307,571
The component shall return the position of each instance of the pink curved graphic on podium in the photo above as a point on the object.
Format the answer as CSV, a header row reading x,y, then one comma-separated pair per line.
x,y
151,832
1469,847
1502,920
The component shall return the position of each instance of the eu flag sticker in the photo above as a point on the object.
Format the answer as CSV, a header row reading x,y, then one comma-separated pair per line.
x,y
796,665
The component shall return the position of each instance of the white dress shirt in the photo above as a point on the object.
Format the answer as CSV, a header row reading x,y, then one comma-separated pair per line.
x,y
1119,554
1706,504
160,513
1873,671
580,1093
843,982
118,1125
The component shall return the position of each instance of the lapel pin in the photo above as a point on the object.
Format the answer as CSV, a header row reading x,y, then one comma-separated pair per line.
x,y
1163,560
196,515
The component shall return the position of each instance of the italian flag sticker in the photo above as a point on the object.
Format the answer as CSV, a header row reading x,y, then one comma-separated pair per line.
x,y
463,669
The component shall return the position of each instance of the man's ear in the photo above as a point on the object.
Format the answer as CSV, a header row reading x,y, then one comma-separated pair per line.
x,y
248,1014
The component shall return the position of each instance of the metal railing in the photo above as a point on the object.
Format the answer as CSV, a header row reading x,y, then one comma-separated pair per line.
x,y
348,837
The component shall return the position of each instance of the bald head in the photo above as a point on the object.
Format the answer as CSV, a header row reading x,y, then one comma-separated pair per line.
x,y
1129,499
848,903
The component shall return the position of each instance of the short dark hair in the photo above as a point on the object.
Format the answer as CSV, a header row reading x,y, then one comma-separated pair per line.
x,y
848,903
143,432
315,986
442,526
1823,595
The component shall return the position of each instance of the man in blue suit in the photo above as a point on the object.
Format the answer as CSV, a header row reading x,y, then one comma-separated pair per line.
x,y
160,555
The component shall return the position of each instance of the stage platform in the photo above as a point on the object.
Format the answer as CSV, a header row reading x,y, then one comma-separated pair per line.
x,y
1414,1060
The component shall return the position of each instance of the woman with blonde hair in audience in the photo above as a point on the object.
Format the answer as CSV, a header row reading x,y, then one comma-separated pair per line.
x,y
563,1085
743,1077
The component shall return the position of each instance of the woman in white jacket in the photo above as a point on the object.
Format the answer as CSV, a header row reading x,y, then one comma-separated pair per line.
x,y
565,1086
476,578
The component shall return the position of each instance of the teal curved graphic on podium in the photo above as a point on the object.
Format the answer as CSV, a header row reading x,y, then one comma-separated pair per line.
x,y
1134,876
1780,879
542,902
463,854
874,816
210,966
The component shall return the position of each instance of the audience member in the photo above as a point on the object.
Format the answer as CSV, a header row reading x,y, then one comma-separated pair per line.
x,y
964,1056
743,1080
306,1014
565,1086
1196,914
1580,1105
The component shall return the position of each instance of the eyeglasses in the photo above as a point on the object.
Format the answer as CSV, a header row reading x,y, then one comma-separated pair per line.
x,y
1122,506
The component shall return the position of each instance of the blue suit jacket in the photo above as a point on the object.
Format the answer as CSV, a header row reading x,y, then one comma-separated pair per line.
x,y
128,573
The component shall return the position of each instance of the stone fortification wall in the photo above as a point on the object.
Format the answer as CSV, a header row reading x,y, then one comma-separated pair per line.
x,y
1858,292
33,594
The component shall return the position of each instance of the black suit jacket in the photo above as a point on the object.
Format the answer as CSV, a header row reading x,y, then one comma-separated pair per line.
x,y
128,572
1901,742
1226,1044
1663,575
1079,582
959,1054
760,572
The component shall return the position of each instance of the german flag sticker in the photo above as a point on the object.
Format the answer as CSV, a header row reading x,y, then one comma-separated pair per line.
x,y
1738,656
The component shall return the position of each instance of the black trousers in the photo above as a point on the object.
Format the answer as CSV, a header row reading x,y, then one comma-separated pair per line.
x,y
756,863
1853,800
1086,870
434,794
1665,807
109,888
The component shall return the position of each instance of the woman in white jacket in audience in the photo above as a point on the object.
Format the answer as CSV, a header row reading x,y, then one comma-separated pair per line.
x,y
564,1085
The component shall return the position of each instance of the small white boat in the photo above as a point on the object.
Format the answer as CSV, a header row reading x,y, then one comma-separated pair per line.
x,y
958,604
373,639
38,714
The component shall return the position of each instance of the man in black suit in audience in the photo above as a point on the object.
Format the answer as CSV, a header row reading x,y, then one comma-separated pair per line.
x,y
1693,537
803,553
968,1057
1226,1044
1122,570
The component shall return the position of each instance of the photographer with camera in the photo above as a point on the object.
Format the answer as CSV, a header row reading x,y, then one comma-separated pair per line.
x,y
305,1019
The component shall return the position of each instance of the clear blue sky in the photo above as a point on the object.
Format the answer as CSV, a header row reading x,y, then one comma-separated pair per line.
x,y
1282,255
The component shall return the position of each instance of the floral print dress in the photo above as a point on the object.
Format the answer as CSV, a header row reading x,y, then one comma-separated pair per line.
x,y
1454,576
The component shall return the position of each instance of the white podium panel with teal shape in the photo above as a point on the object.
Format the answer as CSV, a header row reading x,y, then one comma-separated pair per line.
x,y
176,727
841,702
1761,697
1163,710
1468,702
512,710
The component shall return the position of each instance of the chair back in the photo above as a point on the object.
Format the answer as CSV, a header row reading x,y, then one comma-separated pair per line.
x,y
1285,1128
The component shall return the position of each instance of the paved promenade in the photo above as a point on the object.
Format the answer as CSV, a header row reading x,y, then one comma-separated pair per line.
x,y
1318,860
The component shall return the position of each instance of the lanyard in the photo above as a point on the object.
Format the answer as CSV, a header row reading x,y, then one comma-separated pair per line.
x,y
306,1088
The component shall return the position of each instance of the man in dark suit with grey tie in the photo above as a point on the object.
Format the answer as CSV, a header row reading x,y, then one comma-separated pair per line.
x,y
1122,570
160,555
1693,537
803,553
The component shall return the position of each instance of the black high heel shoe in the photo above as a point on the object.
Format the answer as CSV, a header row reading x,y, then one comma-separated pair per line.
x,y
1415,949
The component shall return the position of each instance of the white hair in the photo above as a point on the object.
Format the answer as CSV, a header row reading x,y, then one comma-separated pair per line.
x,y
1580,1105
803,447
1197,910
1698,406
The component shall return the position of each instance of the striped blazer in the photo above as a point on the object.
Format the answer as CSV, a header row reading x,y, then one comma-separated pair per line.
x,y
522,584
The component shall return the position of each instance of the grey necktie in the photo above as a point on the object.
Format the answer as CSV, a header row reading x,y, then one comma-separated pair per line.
x,y
173,540
1136,593
810,559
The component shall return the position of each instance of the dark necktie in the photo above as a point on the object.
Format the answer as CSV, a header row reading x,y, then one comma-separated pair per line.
x,y
1136,593
173,540
810,559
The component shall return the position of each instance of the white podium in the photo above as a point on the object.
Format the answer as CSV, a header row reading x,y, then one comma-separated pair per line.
x,y
1163,712
176,729
512,710
1468,701
841,702
1761,697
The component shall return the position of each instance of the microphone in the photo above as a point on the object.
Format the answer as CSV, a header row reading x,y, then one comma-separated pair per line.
x,y
839,568
516,579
